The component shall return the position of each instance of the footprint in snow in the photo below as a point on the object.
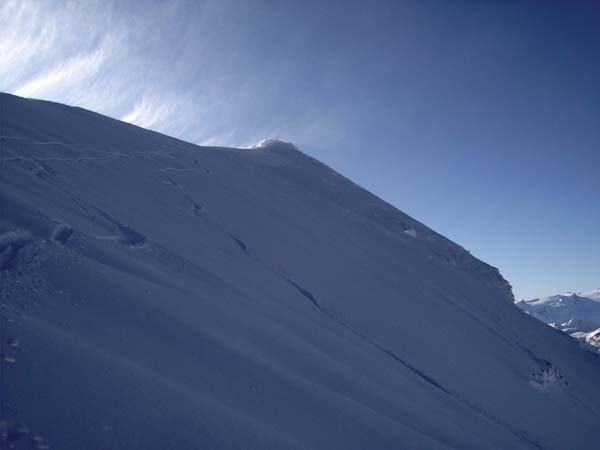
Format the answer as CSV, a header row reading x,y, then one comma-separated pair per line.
x,y
126,236
10,243
61,232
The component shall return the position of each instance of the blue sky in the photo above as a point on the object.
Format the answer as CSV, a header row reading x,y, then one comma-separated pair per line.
x,y
479,118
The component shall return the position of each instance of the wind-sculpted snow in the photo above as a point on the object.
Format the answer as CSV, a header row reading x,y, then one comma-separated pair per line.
x,y
273,144
165,295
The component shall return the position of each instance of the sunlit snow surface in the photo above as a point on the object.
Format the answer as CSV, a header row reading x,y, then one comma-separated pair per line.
x,y
161,295
273,143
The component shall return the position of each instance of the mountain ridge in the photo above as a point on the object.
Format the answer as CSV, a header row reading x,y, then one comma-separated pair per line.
x,y
170,295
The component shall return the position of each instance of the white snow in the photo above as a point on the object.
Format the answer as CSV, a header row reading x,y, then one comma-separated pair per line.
x,y
577,314
411,232
273,143
166,295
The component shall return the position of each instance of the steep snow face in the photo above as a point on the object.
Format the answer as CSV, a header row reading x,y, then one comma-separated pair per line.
x,y
576,314
165,295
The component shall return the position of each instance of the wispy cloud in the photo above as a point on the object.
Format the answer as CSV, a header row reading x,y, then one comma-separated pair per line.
x,y
56,53
176,67
151,112
65,75
24,37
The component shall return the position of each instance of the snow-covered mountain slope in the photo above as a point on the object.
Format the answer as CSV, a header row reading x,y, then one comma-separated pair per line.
x,y
577,314
158,294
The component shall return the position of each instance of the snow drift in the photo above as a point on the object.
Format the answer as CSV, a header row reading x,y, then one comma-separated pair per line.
x,y
166,295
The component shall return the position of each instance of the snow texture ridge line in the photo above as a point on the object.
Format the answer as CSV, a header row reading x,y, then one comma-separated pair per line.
x,y
158,294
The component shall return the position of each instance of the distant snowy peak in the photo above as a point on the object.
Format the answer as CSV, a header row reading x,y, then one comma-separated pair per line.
x,y
577,314
567,296
594,294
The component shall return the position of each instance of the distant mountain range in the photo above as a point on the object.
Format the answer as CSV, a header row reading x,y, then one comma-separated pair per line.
x,y
577,314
